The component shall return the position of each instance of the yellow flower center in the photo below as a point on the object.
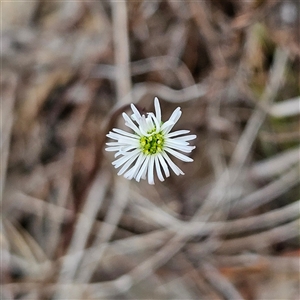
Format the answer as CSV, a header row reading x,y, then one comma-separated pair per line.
x,y
152,144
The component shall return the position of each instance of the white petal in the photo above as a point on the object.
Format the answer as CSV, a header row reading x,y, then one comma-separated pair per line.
x,y
144,174
123,132
178,132
124,139
142,159
179,155
149,121
180,145
175,168
157,124
118,154
128,163
174,118
175,115
113,144
176,142
150,124
157,110
183,148
167,126
158,169
129,123
151,170
164,165
135,112
184,138
112,149
132,172
114,136
125,150
123,146
143,126
143,168
120,161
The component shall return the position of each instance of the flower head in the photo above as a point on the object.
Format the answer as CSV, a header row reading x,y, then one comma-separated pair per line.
x,y
149,145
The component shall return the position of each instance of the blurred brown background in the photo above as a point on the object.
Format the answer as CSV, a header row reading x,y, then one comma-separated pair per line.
x,y
71,228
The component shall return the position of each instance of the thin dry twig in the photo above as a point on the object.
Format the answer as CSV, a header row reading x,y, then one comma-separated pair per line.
x,y
84,223
286,108
162,91
268,192
7,118
260,241
275,263
256,120
275,165
159,63
219,282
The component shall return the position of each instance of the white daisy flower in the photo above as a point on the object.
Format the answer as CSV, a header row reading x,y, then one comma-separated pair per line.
x,y
147,149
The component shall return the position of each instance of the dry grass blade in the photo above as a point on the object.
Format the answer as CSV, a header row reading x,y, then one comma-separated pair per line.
x,y
286,108
275,81
275,165
82,231
269,192
7,117
222,285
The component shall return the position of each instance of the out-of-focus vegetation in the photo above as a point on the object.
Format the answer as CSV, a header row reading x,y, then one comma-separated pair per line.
x,y
71,228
